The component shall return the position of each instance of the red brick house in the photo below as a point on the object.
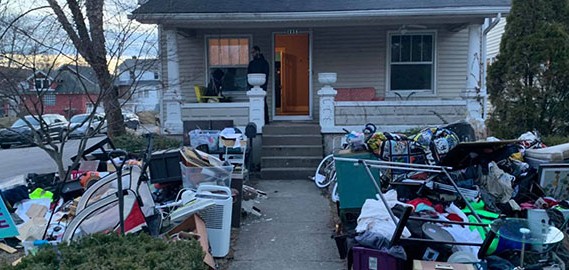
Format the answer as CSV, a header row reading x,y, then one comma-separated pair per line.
x,y
64,91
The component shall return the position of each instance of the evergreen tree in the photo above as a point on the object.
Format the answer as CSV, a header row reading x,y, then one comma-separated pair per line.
x,y
529,82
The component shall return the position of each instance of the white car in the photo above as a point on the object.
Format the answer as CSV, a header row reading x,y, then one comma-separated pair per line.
x,y
80,125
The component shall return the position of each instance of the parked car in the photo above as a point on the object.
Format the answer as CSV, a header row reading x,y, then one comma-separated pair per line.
x,y
79,125
131,120
21,134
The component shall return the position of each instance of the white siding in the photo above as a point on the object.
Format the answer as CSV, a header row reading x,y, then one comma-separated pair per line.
x,y
493,40
356,54
452,52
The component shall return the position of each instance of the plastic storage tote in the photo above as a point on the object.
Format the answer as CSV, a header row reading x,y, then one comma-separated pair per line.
x,y
372,259
192,177
354,184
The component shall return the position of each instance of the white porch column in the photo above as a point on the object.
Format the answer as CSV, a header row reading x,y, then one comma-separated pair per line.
x,y
327,94
172,96
257,100
473,93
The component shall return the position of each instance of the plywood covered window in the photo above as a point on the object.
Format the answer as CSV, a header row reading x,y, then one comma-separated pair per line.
x,y
411,62
230,55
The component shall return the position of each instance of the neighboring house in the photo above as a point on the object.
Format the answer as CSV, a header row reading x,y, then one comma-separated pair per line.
x,y
493,40
10,79
66,90
139,84
421,58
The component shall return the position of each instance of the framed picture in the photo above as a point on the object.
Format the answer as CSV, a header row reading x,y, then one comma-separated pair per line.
x,y
554,179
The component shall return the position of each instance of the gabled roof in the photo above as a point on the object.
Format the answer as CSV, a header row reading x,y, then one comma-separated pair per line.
x,y
74,79
272,6
139,64
284,13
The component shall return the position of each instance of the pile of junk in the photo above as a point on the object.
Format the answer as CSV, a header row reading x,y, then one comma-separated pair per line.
x,y
438,199
163,193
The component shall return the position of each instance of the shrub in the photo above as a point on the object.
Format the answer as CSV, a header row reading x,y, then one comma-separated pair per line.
x,y
109,251
555,140
137,144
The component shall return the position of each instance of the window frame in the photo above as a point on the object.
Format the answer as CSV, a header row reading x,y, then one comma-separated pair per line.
x,y
249,37
43,80
420,92
45,99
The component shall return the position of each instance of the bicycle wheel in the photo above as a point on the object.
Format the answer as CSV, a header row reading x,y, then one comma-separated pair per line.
x,y
335,196
324,172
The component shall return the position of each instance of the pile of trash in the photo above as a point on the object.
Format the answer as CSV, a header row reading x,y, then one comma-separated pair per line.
x,y
169,193
439,196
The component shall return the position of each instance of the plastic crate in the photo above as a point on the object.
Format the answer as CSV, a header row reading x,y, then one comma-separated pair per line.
x,y
372,259
200,137
164,166
354,184
192,177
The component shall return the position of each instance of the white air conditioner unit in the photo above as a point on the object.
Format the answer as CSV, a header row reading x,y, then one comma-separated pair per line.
x,y
217,218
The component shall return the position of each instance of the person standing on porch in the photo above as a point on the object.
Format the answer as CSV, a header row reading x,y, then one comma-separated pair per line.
x,y
260,65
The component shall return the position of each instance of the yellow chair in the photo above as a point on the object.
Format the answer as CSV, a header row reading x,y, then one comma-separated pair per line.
x,y
202,98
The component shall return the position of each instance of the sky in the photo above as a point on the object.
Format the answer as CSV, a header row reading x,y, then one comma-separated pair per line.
x,y
141,41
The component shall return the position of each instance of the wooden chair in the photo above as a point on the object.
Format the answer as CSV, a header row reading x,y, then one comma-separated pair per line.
x,y
202,98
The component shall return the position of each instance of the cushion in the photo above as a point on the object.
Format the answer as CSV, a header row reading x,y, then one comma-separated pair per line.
x,y
356,94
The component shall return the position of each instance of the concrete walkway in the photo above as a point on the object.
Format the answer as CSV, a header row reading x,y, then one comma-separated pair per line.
x,y
293,233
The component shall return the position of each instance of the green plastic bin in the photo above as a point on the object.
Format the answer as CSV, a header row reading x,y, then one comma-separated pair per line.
x,y
354,184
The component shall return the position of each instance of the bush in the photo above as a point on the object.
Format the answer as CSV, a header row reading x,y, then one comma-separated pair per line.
x,y
137,144
109,251
555,140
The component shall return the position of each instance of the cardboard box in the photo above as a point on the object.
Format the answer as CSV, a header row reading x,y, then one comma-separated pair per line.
x,y
196,225
428,265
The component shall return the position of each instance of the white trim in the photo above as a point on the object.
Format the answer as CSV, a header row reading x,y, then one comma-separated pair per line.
x,y
319,15
419,92
310,115
215,105
408,103
206,53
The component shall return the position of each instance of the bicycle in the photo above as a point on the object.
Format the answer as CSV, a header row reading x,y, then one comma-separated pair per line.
x,y
325,173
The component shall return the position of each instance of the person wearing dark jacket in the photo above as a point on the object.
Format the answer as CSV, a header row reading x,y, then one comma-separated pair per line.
x,y
260,65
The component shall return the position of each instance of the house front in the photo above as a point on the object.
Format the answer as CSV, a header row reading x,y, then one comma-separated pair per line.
x,y
139,84
422,59
68,90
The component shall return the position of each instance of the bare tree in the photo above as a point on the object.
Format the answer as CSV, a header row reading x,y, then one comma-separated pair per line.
x,y
86,31
71,34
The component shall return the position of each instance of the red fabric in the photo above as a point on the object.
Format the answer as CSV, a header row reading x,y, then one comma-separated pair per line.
x,y
417,201
439,208
454,217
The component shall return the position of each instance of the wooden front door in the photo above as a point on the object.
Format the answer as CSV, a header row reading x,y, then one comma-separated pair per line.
x,y
292,73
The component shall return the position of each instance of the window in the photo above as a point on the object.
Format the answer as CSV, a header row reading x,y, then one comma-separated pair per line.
x,y
231,57
411,62
42,83
48,99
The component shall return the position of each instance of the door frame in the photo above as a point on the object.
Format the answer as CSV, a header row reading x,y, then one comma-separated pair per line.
x,y
310,92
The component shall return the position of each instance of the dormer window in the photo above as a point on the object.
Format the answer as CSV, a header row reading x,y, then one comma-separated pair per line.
x,y
42,83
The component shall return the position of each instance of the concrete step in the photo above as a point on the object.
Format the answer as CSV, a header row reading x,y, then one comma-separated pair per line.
x,y
294,139
301,173
292,150
291,129
290,161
